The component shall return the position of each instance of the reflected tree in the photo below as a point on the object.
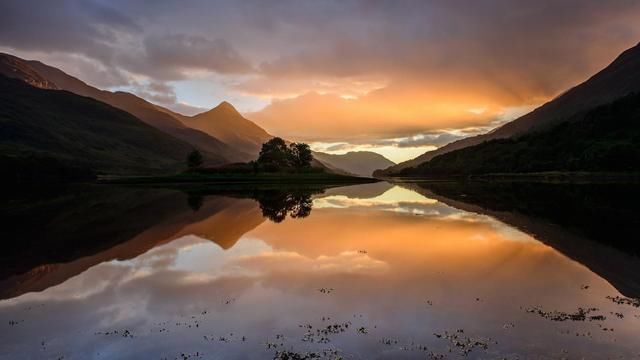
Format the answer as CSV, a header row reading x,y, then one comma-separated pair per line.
x,y
277,204
194,201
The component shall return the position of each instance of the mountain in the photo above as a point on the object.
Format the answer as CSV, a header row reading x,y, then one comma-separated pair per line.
x,y
139,219
227,124
606,139
575,219
224,122
618,79
41,75
362,163
13,67
39,127
221,134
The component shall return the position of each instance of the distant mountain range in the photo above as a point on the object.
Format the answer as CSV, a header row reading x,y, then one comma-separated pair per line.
x,y
620,78
221,134
362,163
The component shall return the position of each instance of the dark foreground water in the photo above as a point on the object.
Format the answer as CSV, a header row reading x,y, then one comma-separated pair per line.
x,y
377,271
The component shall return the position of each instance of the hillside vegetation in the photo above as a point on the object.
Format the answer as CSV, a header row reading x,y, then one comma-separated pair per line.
x,y
43,130
606,139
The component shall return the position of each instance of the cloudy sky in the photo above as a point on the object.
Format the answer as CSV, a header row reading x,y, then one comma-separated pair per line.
x,y
398,77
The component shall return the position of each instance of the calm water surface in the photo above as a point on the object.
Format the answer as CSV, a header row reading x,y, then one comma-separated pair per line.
x,y
373,271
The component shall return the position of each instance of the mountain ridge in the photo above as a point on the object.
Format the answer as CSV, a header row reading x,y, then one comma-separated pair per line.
x,y
224,122
215,151
44,125
619,78
362,163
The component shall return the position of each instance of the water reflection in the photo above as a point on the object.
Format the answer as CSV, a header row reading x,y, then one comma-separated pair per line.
x,y
593,224
374,271
66,231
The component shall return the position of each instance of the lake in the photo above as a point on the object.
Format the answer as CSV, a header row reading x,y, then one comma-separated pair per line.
x,y
374,271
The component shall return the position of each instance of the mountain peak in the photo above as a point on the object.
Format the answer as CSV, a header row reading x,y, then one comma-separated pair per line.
x,y
226,107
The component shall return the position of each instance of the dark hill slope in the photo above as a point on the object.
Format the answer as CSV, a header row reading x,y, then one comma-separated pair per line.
x,y
81,132
41,75
606,139
620,78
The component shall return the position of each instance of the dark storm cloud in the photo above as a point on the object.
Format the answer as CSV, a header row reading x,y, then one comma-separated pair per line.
x,y
495,39
181,51
83,27
111,39
421,57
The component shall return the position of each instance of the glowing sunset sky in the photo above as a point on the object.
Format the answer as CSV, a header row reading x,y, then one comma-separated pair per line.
x,y
397,77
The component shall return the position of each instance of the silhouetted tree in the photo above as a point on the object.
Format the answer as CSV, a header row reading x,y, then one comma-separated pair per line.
x,y
194,160
274,155
300,155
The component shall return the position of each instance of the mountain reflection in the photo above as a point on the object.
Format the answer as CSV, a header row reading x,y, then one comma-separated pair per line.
x,y
373,272
63,232
594,224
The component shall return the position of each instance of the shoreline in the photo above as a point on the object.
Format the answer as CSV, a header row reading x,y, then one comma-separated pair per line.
x,y
239,179
550,177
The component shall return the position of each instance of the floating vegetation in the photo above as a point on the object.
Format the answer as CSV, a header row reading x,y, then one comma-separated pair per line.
x,y
321,335
223,338
618,315
625,301
124,333
195,355
581,315
570,332
508,325
463,343
388,341
321,354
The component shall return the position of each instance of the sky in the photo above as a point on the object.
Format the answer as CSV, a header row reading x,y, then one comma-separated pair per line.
x,y
396,77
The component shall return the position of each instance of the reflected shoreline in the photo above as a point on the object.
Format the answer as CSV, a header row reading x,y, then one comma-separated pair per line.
x,y
593,238
403,271
123,223
66,232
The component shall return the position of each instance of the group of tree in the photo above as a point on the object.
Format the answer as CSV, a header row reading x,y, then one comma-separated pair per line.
x,y
276,155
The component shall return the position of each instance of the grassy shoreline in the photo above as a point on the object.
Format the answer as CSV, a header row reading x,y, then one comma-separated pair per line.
x,y
239,178
548,176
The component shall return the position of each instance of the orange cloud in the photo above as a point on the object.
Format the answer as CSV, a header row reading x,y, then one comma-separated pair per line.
x,y
390,112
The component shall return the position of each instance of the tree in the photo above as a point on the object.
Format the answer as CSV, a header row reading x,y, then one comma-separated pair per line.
x,y
274,155
194,160
277,204
300,155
